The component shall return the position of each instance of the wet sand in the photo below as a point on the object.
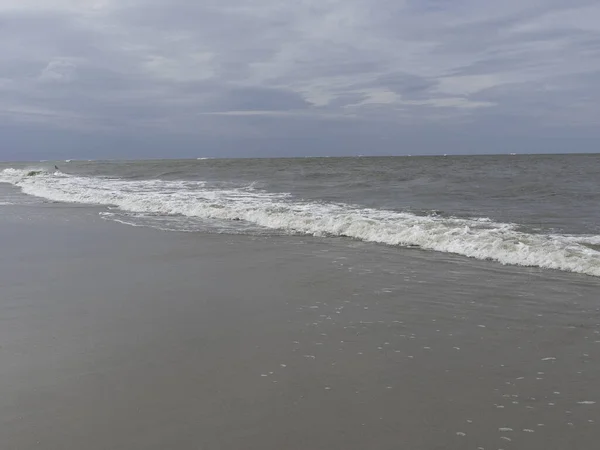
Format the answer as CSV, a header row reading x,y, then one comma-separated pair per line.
x,y
114,337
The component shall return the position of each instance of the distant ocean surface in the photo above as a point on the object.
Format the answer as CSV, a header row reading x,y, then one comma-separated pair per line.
x,y
538,211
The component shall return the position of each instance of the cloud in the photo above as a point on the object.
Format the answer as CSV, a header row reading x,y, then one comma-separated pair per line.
x,y
59,71
268,70
258,99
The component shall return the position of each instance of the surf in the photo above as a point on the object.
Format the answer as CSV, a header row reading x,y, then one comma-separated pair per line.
x,y
478,238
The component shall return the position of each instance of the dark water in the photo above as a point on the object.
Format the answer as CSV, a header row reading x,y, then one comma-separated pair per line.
x,y
528,210
555,192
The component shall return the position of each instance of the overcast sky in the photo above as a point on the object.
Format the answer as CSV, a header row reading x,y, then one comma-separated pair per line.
x,y
150,78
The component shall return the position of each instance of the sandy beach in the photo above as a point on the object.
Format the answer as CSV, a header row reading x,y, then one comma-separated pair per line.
x,y
116,337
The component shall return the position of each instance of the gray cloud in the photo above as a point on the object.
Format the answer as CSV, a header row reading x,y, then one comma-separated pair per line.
x,y
258,99
332,72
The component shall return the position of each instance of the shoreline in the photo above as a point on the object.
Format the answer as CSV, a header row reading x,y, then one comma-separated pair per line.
x,y
130,338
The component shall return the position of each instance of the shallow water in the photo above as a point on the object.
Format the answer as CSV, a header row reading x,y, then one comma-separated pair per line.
x,y
538,211
132,338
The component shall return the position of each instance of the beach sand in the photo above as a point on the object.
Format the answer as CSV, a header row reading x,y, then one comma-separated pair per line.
x,y
115,337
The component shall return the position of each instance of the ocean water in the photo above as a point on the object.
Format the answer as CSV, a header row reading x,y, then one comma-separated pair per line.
x,y
534,211
319,303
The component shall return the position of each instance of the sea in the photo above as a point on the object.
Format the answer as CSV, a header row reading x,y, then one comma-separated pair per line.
x,y
536,211
361,302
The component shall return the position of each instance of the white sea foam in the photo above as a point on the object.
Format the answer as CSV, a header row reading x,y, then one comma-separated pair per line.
x,y
476,238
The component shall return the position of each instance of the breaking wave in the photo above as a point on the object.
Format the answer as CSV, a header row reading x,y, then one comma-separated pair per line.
x,y
476,238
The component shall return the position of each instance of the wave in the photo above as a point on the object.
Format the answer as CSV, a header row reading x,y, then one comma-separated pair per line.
x,y
476,238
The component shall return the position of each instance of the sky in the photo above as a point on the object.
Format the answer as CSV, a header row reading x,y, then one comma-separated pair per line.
x,y
178,78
